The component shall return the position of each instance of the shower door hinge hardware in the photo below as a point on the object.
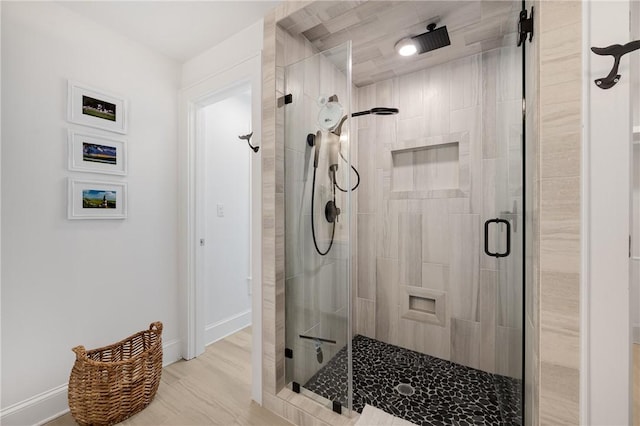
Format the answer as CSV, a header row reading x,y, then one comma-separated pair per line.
x,y
202,242
295,386
337,407
285,100
525,26
288,353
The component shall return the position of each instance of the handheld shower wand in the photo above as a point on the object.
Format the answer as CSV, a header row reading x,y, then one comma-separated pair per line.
x,y
331,120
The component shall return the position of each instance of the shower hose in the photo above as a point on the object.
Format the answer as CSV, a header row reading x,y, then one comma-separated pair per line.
x,y
333,193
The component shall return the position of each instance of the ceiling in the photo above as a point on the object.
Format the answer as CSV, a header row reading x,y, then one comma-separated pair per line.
x,y
178,29
375,26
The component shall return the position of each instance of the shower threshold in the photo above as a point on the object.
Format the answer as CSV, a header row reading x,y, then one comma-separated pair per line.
x,y
420,388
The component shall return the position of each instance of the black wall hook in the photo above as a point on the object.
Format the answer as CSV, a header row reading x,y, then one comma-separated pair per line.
x,y
248,139
617,51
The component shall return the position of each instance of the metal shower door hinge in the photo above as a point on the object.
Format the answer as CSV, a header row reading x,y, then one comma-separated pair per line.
x,y
285,100
525,26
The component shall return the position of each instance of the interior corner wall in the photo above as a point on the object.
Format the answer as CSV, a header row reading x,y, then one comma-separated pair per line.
x,y
89,282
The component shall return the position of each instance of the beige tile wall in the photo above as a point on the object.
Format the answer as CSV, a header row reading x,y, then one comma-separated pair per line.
x,y
560,103
431,176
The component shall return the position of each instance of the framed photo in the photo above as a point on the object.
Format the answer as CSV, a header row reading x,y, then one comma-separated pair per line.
x,y
95,108
97,199
97,154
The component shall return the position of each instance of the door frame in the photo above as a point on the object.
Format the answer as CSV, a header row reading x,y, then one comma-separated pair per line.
x,y
192,99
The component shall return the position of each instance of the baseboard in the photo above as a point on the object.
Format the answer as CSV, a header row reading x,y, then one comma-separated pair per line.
x,y
171,352
224,328
53,403
38,409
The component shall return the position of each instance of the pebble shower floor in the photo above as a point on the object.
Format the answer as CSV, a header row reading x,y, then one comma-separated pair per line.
x,y
444,393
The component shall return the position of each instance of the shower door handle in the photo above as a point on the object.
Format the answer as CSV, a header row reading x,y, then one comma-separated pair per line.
x,y
486,238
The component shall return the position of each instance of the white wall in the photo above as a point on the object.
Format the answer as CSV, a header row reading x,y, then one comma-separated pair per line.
x,y
227,254
90,282
0,204
607,145
237,48
635,196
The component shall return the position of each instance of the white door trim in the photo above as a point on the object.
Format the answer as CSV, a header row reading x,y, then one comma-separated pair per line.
x,y
606,331
191,301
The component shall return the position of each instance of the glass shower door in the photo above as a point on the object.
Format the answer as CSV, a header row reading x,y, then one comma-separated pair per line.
x,y
317,225
502,274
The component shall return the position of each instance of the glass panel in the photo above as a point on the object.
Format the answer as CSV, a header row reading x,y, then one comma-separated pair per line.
x,y
317,221
507,202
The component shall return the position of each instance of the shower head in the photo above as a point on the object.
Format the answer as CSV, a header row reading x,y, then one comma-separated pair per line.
x,y
374,111
377,111
431,40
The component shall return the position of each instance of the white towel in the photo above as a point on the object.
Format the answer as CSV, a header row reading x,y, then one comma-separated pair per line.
x,y
372,416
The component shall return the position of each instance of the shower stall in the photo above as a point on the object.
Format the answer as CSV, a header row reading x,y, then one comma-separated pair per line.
x,y
403,198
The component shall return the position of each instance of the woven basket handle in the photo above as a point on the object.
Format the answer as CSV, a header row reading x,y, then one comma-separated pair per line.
x,y
80,351
156,327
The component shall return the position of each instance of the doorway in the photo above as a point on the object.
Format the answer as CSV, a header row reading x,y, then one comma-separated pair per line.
x,y
220,194
223,211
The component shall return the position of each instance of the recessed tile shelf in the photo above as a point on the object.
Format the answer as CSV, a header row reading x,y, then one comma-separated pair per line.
x,y
424,305
433,167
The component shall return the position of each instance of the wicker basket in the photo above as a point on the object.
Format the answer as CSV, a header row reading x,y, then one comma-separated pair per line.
x,y
110,384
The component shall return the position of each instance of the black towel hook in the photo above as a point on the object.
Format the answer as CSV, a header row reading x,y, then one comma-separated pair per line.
x,y
617,51
248,139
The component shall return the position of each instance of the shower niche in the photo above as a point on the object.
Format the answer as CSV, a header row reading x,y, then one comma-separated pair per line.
x,y
391,278
431,168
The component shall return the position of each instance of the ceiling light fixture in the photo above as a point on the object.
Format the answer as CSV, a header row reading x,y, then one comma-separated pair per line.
x,y
406,47
434,38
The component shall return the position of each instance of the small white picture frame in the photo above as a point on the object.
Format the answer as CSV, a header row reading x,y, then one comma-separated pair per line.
x,y
95,108
97,154
89,199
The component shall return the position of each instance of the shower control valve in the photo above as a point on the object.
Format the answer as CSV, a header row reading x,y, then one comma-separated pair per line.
x,y
331,212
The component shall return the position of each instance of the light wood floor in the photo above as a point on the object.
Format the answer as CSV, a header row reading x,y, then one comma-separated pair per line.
x,y
213,389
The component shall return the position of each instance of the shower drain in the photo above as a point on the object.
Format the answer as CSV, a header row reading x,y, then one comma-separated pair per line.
x,y
405,389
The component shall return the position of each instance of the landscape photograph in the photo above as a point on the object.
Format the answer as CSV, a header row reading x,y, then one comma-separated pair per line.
x,y
96,153
97,199
98,108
